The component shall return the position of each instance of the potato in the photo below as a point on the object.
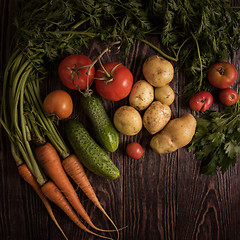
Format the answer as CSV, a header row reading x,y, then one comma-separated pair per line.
x,y
127,120
158,71
142,95
156,117
164,94
177,134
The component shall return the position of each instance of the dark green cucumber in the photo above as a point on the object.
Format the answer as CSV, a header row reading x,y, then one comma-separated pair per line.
x,y
89,152
104,131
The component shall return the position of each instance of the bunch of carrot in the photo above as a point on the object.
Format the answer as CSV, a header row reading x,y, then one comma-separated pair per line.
x,y
37,145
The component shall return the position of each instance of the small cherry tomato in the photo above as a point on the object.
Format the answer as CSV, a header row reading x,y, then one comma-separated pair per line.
x,y
222,75
58,102
73,69
228,96
201,101
116,84
134,150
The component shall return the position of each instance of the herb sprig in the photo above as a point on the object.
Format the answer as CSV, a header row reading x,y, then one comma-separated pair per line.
x,y
217,138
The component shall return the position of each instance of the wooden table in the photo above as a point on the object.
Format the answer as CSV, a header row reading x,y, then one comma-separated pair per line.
x,y
157,197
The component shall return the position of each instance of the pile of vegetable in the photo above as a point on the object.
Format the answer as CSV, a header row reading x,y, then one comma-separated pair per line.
x,y
50,32
150,102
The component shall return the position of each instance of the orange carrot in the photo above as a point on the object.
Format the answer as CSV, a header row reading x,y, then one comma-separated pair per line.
x,y
52,192
75,170
26,174
50,162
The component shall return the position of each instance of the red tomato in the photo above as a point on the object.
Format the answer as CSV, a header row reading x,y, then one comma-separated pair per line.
x,y
201,101
134,150
222,75
228,96
116,84
58,102
73,69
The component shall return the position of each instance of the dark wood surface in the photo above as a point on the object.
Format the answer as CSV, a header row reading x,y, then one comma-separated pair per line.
x,y
157,197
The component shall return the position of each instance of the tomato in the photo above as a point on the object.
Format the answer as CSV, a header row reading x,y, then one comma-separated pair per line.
x,y
228,96
222,75
134,150
73,69
58,102
116,84
201,101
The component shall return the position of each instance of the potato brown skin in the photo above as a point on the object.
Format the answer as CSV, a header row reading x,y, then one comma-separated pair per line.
x,y
127,120
142,95
156,117
164,94
158,71
177,134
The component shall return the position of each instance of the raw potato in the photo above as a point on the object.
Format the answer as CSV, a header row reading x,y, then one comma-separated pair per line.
x,y
127,120
177,134
164,94
142,95
158,71
156,117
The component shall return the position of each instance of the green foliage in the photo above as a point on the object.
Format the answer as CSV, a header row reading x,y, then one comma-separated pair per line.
x,y
217,140
57,28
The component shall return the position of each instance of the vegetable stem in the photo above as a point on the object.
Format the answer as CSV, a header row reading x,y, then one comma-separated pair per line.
x,y
200,61
160,51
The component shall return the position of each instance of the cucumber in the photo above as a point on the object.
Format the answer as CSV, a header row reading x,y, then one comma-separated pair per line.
x,y
104,131
89,152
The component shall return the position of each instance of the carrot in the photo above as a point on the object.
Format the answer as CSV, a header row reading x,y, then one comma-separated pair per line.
x,y
75,170
53,193
26,174
50,162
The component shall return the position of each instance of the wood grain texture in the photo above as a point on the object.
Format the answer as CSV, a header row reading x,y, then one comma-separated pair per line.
x,y
156,197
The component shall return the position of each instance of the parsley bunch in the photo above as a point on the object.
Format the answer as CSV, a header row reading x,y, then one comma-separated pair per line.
x,y
217,138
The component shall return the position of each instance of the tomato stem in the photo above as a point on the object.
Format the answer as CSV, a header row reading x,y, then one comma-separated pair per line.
x,y
160,51
88,91
108,75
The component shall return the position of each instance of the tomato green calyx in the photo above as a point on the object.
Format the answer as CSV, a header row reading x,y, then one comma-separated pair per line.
x,y
108,76
89,91
75,72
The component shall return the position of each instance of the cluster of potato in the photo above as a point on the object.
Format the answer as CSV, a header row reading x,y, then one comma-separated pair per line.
x,y
154,96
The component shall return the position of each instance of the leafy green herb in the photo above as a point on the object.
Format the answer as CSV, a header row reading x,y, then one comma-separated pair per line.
x,y
217,140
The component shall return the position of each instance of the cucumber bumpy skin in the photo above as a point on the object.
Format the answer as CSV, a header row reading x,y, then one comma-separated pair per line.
x,y
104,131
89,152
